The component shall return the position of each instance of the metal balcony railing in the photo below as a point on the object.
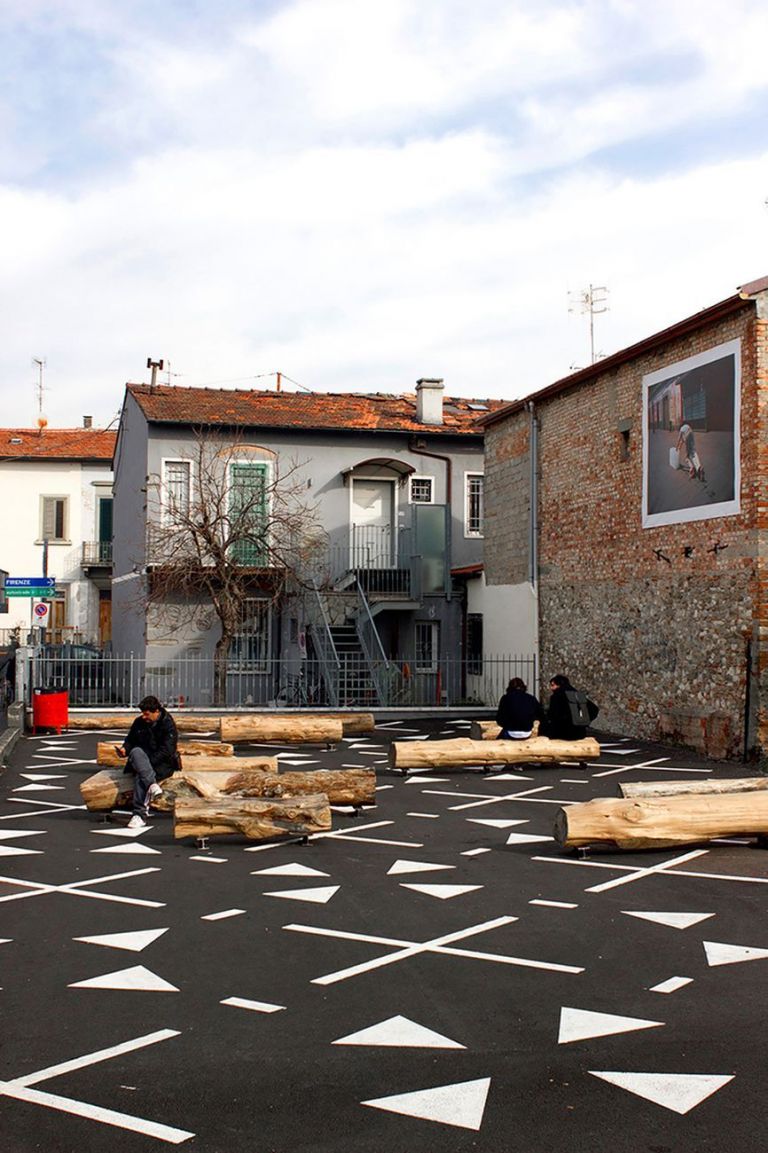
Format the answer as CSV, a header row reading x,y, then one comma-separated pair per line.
x,y
97,552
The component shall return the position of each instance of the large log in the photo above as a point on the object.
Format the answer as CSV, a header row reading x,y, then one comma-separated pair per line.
x,y
255,819
490,731
285,727
114,789
106,751
185,722
662,822
677,788
463,751
352,723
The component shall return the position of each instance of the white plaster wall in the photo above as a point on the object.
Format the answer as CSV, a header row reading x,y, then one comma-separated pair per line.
x,y
22,484
510,630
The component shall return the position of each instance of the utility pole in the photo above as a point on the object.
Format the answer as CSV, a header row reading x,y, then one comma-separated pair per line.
x,y
590,301
41,420
155,365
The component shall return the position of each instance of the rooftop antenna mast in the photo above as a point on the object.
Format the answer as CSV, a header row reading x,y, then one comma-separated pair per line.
x,y
590,301
42,420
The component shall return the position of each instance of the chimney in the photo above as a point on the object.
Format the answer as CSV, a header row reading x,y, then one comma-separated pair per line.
x,y
87,422
429,400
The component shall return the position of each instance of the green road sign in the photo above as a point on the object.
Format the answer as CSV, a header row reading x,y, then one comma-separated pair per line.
x,y
29,592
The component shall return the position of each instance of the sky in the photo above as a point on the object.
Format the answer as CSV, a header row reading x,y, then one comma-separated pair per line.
x,y
359,193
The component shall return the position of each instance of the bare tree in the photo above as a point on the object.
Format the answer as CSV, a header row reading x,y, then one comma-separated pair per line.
x,y
230,522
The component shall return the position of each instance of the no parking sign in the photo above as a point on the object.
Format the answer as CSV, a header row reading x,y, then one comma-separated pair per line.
x,y
41,611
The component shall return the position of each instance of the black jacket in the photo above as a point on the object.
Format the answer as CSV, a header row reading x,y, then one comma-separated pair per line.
x,y
558,725
517,711
158,741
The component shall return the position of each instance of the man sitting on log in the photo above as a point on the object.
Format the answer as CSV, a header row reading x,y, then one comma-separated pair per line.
x,y
150,747
517,711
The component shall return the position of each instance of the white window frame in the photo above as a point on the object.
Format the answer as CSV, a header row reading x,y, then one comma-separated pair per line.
x,y
64,538
476,534
165,504
421,477
434,646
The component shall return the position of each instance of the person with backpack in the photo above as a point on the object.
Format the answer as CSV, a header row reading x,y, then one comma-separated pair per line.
x,y
569,713
517,711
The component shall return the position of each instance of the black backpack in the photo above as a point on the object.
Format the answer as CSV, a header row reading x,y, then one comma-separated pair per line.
x,y
583,710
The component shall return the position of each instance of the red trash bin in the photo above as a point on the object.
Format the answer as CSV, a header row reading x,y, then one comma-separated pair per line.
x,y
50,709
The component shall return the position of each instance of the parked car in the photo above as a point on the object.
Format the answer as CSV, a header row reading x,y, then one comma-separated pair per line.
x,y
80,669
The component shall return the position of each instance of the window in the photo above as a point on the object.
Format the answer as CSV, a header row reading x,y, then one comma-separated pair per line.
x,y
53,518
427,646
474,644
473,503
177,476
422,490
248,512
250,646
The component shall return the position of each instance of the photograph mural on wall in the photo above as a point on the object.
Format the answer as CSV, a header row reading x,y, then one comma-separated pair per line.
x,y
691,443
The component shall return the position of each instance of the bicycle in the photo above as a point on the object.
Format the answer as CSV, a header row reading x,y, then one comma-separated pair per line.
x,y
296,690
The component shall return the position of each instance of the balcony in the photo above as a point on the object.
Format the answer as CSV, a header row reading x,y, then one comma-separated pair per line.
x,y
96,554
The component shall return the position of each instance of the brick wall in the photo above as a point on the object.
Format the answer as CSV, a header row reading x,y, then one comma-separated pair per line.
x,y
647,636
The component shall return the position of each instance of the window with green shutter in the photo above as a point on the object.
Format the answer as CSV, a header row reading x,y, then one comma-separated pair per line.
x,y
248,512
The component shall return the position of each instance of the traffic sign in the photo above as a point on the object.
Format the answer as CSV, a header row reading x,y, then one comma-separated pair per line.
x,y
41,582
41,611
29,591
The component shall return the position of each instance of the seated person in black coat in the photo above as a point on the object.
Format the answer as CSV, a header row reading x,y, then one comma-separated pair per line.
x,y
517,711
558,725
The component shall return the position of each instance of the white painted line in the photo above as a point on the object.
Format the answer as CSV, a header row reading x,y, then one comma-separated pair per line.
x,y
223,915
426,816
554,904
77,1063
254,1006
671,985
627,880
210,860
474,852
96,1113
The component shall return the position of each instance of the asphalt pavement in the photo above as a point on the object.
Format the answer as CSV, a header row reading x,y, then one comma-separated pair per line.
x,y
436,974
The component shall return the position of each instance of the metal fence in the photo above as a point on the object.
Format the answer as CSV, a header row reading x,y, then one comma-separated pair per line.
x,y
105,680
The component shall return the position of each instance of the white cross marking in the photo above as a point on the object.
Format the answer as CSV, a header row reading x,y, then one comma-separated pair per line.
x,y
78,889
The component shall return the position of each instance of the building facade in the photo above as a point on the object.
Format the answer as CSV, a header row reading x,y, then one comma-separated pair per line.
x,y
387,489
56,487
632,499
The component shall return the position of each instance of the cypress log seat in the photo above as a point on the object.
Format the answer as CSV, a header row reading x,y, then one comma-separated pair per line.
x,y
257,820
463,751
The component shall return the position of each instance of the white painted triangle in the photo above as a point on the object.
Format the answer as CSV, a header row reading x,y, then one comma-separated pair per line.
x,y
134,849
37,788
44,776
403,866
318,896
718,953
461,1104
511,777
11,834
124,832
293,870
134,941
496,823
679,1092
443,892
581,1024
399,1032
419,778
17,851
673,920
526,839
5,940
138,978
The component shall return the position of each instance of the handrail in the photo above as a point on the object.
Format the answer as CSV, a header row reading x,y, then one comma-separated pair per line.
x,y
325,647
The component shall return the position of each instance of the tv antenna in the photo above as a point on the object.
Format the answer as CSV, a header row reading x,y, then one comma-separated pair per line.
x,y
42,420
590,301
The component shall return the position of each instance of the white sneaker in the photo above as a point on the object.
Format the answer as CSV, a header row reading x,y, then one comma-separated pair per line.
x,y
153,792
137,822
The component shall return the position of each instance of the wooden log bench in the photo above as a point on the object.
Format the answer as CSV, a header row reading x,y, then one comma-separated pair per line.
x,y
459,753
679,788
111,788
490,731
107,755
662,822
185,722
257,820
288,728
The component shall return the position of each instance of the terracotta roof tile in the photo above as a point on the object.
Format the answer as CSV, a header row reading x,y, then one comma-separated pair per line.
x,y
376,412
57,444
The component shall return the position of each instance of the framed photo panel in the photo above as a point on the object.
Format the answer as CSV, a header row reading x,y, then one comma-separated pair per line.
x,y
691,438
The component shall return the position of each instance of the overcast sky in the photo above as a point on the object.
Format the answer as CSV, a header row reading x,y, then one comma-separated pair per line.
x,y
358,193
